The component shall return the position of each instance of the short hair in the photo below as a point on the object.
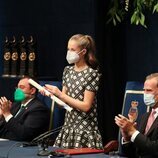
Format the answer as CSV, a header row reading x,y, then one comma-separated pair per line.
x,y
151,76
33,78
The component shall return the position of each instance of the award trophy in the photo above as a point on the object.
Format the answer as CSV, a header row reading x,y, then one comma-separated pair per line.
x,y
23,57
14,58
6,58
31,56
133,111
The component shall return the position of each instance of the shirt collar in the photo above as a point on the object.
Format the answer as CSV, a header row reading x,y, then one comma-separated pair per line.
x,y
156,114
25,104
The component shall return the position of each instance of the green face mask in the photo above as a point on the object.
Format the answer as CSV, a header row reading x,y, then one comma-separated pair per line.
x,y
19,95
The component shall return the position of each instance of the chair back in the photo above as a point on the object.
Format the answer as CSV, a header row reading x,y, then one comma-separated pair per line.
x,y
133,103
57,113
133,100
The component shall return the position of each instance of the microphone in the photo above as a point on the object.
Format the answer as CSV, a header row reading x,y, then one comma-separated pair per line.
x,y
41,137
43,141
57,100
46,134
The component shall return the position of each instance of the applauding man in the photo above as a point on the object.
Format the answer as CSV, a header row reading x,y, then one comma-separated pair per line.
x,y
142,141
26,118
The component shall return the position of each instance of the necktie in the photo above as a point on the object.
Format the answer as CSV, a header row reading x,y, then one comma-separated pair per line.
x,y
150,121
21,108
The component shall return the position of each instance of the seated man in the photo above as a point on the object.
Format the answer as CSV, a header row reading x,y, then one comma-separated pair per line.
x,y
142,141
27,117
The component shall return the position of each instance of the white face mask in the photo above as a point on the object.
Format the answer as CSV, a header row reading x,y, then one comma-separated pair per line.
x,y
72,57
149,100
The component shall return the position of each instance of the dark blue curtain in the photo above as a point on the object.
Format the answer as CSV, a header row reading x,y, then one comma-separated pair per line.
x,y
51,23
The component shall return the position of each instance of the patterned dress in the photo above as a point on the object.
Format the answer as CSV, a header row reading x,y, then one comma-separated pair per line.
x,y
80,129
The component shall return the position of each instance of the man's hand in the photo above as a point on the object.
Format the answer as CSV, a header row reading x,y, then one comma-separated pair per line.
x,y
1,113
127,126
5,106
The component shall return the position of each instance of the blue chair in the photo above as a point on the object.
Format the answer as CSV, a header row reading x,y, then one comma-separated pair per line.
x,y
133,103
57,113
133,100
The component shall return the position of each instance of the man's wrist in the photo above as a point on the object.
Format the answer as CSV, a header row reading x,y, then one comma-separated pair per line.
x,y
134,135
8,117
6,114
130,133
124,141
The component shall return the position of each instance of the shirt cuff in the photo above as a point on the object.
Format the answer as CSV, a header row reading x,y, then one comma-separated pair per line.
x,y
134,135
123,141
8,117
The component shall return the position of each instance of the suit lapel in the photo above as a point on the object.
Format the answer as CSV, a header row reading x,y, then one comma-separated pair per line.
x,y
15,108
25,108
144,122
153,126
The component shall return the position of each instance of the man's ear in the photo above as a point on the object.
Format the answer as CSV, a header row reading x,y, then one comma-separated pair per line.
x,y
156,98
33,90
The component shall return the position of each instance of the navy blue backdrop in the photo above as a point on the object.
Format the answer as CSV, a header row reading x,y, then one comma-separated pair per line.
x,y
126,52
51,23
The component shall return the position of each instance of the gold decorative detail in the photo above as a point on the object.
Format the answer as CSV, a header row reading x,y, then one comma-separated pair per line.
x,y
32,56
7,55
14,56
134,103
23,56
133,111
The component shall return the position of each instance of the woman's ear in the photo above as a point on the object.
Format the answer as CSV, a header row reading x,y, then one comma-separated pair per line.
x,y
84,51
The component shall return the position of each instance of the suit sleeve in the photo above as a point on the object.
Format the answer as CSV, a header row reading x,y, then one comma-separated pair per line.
x,y
128,149
143,144
34,122
146,145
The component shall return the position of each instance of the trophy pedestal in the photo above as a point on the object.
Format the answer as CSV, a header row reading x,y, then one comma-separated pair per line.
x,y
31,64
22,71
23,59
31,71
13,69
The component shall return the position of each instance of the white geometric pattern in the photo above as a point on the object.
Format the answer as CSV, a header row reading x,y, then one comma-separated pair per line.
x,y
80,129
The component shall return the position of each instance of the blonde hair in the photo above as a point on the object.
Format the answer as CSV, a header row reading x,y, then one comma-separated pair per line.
x,y
87,42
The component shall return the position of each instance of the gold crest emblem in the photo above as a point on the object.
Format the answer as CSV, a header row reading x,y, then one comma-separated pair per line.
x,y
133,111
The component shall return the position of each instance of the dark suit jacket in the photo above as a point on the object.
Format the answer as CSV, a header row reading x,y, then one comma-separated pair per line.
x,y
29,123
145,146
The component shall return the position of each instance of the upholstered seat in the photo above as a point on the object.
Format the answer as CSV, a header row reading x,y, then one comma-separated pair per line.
x,y
133,103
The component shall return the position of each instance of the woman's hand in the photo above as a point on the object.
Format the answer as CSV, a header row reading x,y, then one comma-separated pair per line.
x,y
43,92
54,90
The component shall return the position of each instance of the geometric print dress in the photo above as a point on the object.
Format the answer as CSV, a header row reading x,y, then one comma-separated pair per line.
x,y
80,128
